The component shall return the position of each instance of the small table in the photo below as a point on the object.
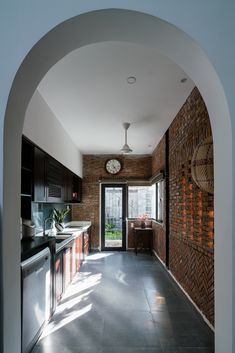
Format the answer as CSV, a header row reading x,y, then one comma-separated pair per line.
x,y
140,232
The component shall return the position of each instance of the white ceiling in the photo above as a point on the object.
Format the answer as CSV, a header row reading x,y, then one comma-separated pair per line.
x,y
88,93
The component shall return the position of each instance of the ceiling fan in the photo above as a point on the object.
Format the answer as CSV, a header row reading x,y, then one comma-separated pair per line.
x,y
126,149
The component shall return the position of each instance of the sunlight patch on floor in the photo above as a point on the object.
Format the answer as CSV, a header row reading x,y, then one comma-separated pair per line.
x,y
75,314
98,256
120,277
71,303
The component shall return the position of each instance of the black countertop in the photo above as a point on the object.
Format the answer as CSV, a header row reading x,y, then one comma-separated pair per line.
x,y
30,247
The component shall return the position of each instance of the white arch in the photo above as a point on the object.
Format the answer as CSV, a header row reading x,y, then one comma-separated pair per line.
x,y
120,25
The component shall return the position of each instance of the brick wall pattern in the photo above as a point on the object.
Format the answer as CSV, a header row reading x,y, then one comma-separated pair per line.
x,y
191,210
138,167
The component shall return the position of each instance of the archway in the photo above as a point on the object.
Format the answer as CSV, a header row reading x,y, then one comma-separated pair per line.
x,y
120,25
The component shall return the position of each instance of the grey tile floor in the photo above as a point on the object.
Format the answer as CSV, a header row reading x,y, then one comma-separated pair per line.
x,y
122,303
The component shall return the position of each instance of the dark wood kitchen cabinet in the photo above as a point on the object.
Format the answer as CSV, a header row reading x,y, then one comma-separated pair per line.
x,y
44,179
76,189
54,180
68,264
27,178
39,175
79,252
59,276
68,186
86,242
73,187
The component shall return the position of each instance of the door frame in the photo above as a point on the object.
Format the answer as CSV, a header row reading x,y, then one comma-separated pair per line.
x,y
124,215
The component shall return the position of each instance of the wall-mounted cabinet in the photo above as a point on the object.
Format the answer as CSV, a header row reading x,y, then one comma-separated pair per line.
x,y
73,187
68,186
76,189
39,175
55,180
27,178
44,179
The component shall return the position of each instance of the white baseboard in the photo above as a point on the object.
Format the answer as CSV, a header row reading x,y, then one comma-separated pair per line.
x,y
184,291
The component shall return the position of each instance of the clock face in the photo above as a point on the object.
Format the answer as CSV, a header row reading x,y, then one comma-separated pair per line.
x,y
113,166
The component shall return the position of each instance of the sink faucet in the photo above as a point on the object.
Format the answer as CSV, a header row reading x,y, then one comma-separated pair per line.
x,y
45,222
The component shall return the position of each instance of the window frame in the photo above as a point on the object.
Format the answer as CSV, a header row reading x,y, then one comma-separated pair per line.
x,y
162,183
144,185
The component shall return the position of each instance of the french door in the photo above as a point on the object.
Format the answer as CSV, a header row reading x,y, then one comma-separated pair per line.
x,y
113,217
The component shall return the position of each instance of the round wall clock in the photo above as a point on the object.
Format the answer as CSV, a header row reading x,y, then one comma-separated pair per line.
x,y
113,166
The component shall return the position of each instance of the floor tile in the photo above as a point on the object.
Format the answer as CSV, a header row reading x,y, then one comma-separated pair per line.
x,y
123,303
132,350
196,350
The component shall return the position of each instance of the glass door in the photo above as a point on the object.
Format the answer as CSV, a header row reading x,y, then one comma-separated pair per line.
x,y
113,217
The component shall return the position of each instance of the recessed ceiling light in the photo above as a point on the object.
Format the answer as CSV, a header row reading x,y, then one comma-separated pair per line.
x,y
183,80
131,80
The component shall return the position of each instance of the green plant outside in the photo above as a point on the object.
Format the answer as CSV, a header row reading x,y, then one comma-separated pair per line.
x,y
113,235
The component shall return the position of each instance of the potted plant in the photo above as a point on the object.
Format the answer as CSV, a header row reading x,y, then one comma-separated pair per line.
x,y
142,218
59,216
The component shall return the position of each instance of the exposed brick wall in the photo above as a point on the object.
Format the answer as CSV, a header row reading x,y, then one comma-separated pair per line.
x,y
134,166
193,267
191,258
191,209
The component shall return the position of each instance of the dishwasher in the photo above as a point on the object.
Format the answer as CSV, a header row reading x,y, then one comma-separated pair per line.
x,y
35,297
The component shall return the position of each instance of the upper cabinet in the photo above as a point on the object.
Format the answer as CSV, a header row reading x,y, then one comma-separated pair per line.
x,y
55,180
45,180
39,175
68,186
73,187
76,189
27,178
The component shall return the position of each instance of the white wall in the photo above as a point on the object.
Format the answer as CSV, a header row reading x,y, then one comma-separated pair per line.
x,y
211,24
42,127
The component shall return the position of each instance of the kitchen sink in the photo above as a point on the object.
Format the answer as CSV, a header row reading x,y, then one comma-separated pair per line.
x,y
64,234
59,240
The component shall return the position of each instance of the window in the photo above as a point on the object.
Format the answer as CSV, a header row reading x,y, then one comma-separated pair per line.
x,y
141,199
160,200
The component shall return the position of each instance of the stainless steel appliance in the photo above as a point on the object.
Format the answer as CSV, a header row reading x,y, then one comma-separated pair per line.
x,y
36,297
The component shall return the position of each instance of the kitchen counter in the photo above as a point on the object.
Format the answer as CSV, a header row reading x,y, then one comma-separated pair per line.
x,y
70,232
30,247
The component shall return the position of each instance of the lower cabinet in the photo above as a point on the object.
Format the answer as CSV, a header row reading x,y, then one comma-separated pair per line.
x,y
59,276
68,262
79,254
86,242
67,275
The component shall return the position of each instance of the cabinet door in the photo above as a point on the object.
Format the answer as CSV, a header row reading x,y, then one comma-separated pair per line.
x,y
73,260
85,244
27,167
39,175
59,276
77,189
78,251
68,196
67,267
55,180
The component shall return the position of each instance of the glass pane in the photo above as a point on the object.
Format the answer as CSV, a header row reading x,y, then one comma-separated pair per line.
x,y
113,217
141,200
160,201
